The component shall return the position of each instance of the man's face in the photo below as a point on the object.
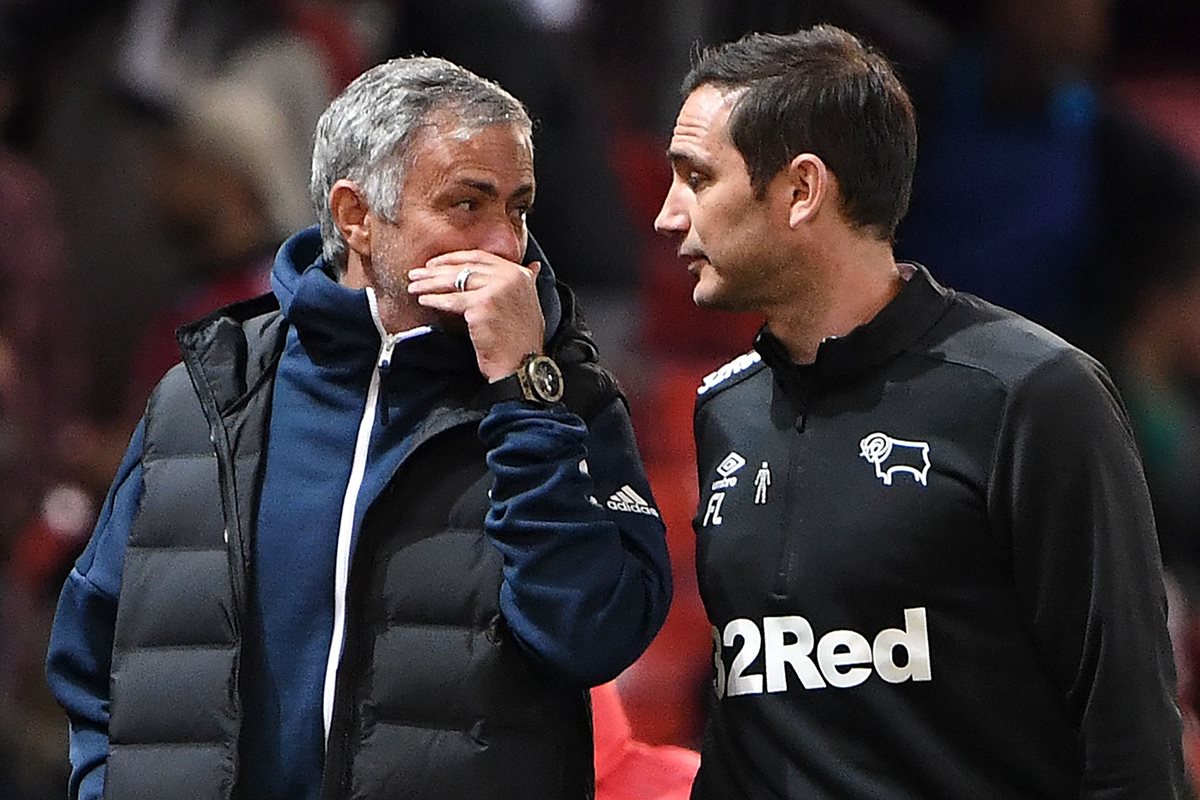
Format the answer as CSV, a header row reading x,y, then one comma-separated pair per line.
x,y
459,192
727,235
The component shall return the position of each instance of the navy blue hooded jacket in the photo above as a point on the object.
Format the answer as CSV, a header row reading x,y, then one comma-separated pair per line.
x,y
346,400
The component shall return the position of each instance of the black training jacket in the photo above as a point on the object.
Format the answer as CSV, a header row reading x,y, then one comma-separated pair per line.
x,y
930,565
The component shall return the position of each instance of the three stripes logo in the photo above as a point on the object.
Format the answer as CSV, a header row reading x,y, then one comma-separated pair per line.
x,y
626,499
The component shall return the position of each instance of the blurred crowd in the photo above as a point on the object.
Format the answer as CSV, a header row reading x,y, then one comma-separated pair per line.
x,y
154,153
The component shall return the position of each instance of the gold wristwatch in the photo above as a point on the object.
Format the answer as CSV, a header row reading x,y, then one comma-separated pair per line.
x,y
538,380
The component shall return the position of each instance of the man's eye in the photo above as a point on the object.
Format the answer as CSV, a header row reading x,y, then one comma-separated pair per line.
x,y
466,205
694,180
520,212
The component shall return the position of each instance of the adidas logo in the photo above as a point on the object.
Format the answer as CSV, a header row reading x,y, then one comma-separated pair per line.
x,y
626,499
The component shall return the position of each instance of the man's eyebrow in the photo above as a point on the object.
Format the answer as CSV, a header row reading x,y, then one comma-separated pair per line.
x,y
486,187
678,158
491,190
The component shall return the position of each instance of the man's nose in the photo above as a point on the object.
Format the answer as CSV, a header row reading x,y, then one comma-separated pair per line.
x,y
506,241
672,218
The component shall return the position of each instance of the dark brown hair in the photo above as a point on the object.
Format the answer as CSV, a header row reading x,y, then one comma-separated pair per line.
x,y
821,91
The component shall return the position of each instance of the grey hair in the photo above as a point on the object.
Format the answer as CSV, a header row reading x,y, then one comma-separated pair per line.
x,y
366,132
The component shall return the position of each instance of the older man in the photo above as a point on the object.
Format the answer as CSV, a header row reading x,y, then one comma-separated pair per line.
x,y
382,529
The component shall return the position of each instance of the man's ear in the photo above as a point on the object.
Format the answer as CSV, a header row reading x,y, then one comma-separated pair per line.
x,y
810,183
350,210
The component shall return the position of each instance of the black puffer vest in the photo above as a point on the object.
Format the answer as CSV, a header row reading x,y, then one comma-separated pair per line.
x,y
434,697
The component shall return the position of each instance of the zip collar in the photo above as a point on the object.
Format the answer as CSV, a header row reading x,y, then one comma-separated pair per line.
x,y
920,303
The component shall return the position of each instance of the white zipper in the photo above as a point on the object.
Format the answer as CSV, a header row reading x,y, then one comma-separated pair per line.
x,y
358,468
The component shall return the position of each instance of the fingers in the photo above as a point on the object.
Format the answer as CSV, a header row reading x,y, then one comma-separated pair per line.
x,y
452,302
465,271
424,281
497,299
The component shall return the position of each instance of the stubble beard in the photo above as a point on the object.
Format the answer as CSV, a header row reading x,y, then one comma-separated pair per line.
x,y
396,305
756,288
391,291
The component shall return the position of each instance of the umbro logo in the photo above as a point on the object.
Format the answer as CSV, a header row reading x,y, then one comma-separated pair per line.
x,y
626,499
729,465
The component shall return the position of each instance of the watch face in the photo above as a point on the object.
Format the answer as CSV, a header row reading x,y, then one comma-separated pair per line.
x,y
545,379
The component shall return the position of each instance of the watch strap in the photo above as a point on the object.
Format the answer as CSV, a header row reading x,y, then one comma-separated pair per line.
x,y
508,388
588,388
522,384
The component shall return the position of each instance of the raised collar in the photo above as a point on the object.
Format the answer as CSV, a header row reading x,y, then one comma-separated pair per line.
x,y
914,310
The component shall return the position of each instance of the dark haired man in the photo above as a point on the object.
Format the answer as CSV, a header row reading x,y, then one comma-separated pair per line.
x,y
924,538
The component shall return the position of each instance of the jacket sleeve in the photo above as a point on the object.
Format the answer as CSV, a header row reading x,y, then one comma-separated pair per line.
x,y
81,639
1068,488
587,581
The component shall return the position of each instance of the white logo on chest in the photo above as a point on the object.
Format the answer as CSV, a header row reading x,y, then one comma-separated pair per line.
x,y
844,658
726,469
729,465
893,457
762,480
